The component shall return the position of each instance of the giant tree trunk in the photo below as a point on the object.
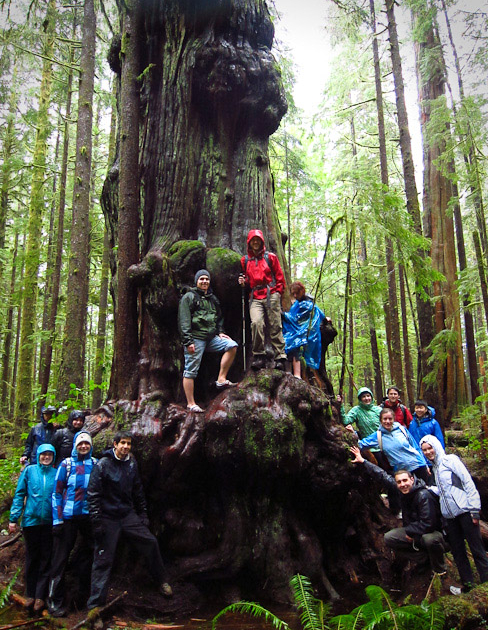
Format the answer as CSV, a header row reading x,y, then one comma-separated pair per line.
x,y
210,96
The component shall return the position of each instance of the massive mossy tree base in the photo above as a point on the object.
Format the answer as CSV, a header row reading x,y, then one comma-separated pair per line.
x,y
254,490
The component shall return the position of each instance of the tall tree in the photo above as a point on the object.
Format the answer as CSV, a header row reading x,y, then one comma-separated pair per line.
x,y
23,397
72,366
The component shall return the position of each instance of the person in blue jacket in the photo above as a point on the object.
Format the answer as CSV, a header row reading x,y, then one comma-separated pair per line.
x,y
401,450
424,423
71,521
32,502
301,330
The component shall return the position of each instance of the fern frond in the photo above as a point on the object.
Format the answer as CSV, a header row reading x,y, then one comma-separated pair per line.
x,y
254,610
5,594
306,603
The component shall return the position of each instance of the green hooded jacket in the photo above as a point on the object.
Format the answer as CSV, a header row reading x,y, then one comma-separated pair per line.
x,y
366,417
199,316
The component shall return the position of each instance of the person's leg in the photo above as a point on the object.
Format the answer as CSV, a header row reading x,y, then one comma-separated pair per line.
x,y
45,544
433,543
63,545
32,559
396,539
275,329
473,536
226,346
458,548
190,371
297,368
256,313
102,562
84,559
225,364
147,545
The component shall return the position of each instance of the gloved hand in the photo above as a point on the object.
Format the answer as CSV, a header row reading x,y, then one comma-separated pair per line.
x,y
58,530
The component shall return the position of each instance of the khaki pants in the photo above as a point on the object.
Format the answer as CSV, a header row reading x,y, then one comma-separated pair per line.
x,y
257,311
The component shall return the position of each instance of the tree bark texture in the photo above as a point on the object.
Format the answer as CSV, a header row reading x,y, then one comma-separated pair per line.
x,y
438,221
23,391
424,307
7,341
72,364
251,492
210,96
409,381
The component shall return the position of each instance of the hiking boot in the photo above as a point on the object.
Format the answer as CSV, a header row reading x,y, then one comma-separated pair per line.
x,y
57,612
39,605
166,590
28,602
258,363
280,364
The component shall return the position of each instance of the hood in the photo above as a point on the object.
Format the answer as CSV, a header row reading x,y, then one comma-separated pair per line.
x,y
43,448
252,234
72,416
425,418
365,390
436,445
74,452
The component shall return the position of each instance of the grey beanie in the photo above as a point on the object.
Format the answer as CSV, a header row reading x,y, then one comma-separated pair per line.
x,y
83,436
202,272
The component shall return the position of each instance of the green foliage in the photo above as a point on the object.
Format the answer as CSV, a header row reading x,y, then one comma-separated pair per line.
x,y
5,593
313,611
254,610
9,473
381,613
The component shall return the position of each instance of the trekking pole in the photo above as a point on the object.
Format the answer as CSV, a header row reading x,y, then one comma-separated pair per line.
x,y
243,327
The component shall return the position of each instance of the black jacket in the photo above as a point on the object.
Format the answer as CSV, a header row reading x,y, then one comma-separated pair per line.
x,y
63,441
115,488
420,507
42,433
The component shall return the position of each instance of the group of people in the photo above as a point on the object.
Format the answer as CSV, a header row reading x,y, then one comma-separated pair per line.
x,y
81,504
432,492
295,334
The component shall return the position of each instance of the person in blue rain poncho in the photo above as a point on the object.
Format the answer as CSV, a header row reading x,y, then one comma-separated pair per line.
x,y
301,330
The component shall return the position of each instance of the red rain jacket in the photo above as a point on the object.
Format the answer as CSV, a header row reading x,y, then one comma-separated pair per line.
x,y
259,273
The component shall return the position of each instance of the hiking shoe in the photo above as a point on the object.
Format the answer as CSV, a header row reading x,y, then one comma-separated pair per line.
x,y
194,408
39,605
280,364
225,384
57,612
28,602
258,363
166,590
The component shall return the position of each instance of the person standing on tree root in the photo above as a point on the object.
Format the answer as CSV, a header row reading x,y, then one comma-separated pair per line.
x,y
262,273
420,539
460,507
117,506
42,433
33,500
201,327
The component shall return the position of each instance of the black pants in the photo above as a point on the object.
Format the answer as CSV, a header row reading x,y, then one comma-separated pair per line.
x,y
63,545
140,536
460,529
38,546
430,547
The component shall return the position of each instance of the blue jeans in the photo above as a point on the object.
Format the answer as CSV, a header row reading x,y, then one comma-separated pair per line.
x,y
193,360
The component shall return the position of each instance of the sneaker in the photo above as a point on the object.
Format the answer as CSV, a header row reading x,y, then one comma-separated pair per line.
x,y
57,612
455,590
225,384
39,605
166,590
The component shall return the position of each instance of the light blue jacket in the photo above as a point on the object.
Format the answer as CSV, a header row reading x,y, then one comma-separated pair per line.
x,y
33,493
399,447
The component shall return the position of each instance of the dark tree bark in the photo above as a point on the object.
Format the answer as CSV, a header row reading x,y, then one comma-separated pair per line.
x,y
99,372
409,380
7,342
210,96
72,366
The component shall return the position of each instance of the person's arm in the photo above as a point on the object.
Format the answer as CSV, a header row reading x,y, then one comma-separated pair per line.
x,y
278,273
472,494
370,441
60,484
184,320
29,445
19,498
413,442
94,495
374,471
350,416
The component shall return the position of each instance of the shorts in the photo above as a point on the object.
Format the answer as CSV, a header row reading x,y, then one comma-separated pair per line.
x,y
193,360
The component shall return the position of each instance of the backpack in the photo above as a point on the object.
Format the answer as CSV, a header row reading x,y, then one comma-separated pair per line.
x,y
402,407
379,436
69,465
273,281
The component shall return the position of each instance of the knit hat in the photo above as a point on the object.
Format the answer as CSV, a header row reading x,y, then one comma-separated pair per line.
x,y
83,436
202,272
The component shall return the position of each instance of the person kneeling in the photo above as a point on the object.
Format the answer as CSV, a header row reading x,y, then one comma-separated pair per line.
x,y
117,506
420,539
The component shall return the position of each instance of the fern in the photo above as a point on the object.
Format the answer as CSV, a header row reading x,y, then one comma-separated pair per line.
x,y
5,594
312,611
254,610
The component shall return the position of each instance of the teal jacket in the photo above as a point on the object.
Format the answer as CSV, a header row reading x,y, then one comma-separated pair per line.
x,y
34,492
366,417
199,316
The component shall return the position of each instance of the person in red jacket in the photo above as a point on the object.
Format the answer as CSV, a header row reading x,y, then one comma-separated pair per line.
x,y
393,402
262,273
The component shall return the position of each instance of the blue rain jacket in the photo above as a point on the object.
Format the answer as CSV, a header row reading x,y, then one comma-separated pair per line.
x,y
399,447
296,327
34,489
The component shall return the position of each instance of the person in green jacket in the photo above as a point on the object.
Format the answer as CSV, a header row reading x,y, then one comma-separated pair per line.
x,y
366,415
201,327
32,501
